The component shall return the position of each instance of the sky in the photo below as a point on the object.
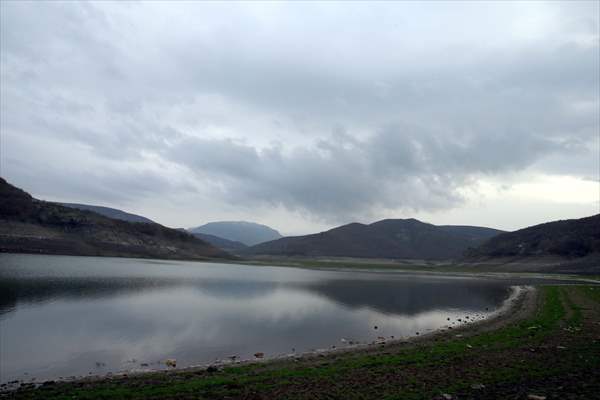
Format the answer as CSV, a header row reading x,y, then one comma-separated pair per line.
x,y
305,116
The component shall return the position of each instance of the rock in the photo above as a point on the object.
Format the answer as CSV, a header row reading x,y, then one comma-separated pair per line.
x,y
478,386
259,355
446,396
143,364
536,397
171,362
469,346
212,368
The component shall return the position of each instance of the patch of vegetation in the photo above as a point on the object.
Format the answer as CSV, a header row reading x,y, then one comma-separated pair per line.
x,y
591,292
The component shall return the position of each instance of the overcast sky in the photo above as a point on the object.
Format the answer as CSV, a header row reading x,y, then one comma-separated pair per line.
x,y
304,116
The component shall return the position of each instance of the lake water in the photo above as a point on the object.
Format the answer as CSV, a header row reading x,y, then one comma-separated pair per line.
x,y
62,316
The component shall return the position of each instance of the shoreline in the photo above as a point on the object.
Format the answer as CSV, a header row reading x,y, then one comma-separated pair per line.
x,y
520,304
545,343
363,266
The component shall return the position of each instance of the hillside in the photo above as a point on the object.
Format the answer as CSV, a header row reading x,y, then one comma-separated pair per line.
x,y
109,212
32,226
229,246
390,238
572,238
248,233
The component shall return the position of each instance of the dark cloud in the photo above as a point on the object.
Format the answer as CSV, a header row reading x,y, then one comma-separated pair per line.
x,y
342,177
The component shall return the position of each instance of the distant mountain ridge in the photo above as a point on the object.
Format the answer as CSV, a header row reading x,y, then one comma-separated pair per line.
x,y
229,246
248,233
110,212
28,225
389,238
571,238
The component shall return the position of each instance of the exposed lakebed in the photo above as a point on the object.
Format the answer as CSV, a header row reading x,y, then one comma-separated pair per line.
x,y
66,316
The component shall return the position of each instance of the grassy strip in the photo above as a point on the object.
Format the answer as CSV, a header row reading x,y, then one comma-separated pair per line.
x,y
576,316
259,378
591,292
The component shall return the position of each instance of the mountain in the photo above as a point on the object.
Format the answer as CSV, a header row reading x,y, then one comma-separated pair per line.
x,y
110,212
389,238
249,233
28,225
571,238
229,246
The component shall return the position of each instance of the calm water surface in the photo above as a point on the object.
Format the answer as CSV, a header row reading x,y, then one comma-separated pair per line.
x,y
62,316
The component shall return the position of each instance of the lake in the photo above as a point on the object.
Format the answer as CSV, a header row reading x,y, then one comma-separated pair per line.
x,y
63,316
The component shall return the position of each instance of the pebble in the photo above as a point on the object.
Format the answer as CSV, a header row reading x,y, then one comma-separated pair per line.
x,y
171,362
536,397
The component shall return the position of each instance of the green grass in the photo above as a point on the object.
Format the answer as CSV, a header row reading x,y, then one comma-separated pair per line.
x,y
591,292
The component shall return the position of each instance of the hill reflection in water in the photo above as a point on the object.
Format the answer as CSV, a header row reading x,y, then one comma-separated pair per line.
x,y
78,315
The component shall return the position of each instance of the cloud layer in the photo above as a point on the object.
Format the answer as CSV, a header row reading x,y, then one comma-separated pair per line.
x,y
329,111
